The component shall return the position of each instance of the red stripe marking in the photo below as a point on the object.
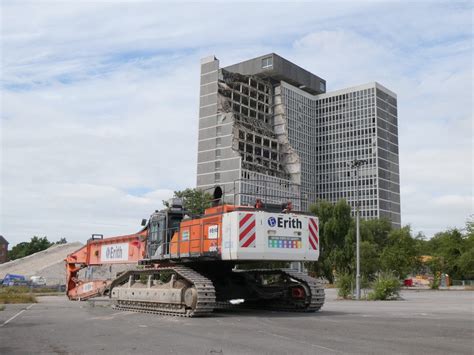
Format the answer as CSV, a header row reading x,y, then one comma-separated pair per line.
x,y
315,234
245,219
247,230
313,240
312,243
249,241
312,237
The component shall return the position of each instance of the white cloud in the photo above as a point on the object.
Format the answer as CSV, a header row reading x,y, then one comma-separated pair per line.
x,y
455,201
101,98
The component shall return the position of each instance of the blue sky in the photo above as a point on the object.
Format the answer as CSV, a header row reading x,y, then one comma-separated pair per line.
x,y
99,100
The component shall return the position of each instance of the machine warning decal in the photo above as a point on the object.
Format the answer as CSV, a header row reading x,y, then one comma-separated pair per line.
x,y
275,241
313,234
185,235
247,230
213,246
87,287
213,232
114,252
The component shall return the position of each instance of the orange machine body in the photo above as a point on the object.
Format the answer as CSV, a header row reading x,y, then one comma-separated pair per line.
x,y
200,236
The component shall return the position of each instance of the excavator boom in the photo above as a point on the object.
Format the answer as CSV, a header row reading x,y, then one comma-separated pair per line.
x,y
127,249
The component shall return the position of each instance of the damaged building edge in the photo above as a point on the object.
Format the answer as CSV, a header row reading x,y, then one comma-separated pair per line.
x,y
266,127
248,156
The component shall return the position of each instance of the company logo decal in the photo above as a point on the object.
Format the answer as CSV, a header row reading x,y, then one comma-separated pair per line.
x,y
272,221
114,252
285,222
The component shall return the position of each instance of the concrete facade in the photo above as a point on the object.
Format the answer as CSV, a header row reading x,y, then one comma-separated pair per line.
x,y
267,126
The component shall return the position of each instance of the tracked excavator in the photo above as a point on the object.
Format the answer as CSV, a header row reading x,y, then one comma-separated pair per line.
x,y
189,266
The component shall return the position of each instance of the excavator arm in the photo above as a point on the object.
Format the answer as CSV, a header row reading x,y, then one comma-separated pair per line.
x,y
127,249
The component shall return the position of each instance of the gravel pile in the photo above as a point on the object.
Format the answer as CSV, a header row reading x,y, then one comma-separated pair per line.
x,y
48,263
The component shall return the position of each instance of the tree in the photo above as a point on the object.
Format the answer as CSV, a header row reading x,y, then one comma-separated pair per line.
x,y
334,224
400,256
448,247
369,260
453,252
376,231
466,261
23,249
195,201
466,265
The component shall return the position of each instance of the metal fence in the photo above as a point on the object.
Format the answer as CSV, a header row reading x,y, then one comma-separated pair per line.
x,y
462,282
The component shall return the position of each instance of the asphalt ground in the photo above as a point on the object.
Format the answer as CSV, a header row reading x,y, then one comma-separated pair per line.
x,y
425,322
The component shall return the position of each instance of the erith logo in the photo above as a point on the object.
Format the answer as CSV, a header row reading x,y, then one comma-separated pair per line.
x,y
114,252
272,221
282,222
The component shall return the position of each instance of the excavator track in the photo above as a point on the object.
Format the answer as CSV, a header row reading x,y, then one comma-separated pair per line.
x,y
205,292
314,299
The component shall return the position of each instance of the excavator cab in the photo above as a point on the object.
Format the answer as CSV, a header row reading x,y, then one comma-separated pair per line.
x,y
162,226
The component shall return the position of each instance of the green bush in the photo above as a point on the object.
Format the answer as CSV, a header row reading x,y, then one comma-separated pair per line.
x,y
435,283
386,286
344,285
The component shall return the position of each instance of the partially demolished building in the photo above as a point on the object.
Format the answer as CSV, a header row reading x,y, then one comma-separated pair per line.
x,y
267,127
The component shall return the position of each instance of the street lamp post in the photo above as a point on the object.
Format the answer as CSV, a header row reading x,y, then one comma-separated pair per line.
x,y
356,164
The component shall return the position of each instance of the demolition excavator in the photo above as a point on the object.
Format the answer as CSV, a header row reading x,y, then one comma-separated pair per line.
x,y
188,266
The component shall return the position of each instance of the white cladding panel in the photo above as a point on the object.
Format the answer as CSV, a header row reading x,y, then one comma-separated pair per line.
x,y
258,235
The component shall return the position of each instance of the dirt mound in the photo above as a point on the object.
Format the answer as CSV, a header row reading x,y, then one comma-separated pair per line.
x,y
48,263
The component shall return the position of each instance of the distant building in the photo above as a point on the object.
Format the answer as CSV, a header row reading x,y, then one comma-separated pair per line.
x,y
3,250
268,126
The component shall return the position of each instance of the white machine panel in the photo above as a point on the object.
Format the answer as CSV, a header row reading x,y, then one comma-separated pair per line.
x,y
258,235
114,252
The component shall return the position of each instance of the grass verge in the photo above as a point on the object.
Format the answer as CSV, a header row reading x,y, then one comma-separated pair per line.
x,y
13,295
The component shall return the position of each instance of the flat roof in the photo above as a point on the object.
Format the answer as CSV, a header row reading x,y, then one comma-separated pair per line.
x,y
275,67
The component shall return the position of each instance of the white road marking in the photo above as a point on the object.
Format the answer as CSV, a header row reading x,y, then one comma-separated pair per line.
x,y
299,341
112,316
16,315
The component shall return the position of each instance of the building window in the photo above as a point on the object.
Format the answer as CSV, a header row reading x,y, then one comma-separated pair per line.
x,y
322,86
218,142
218,153
217,165
267,62
217,177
